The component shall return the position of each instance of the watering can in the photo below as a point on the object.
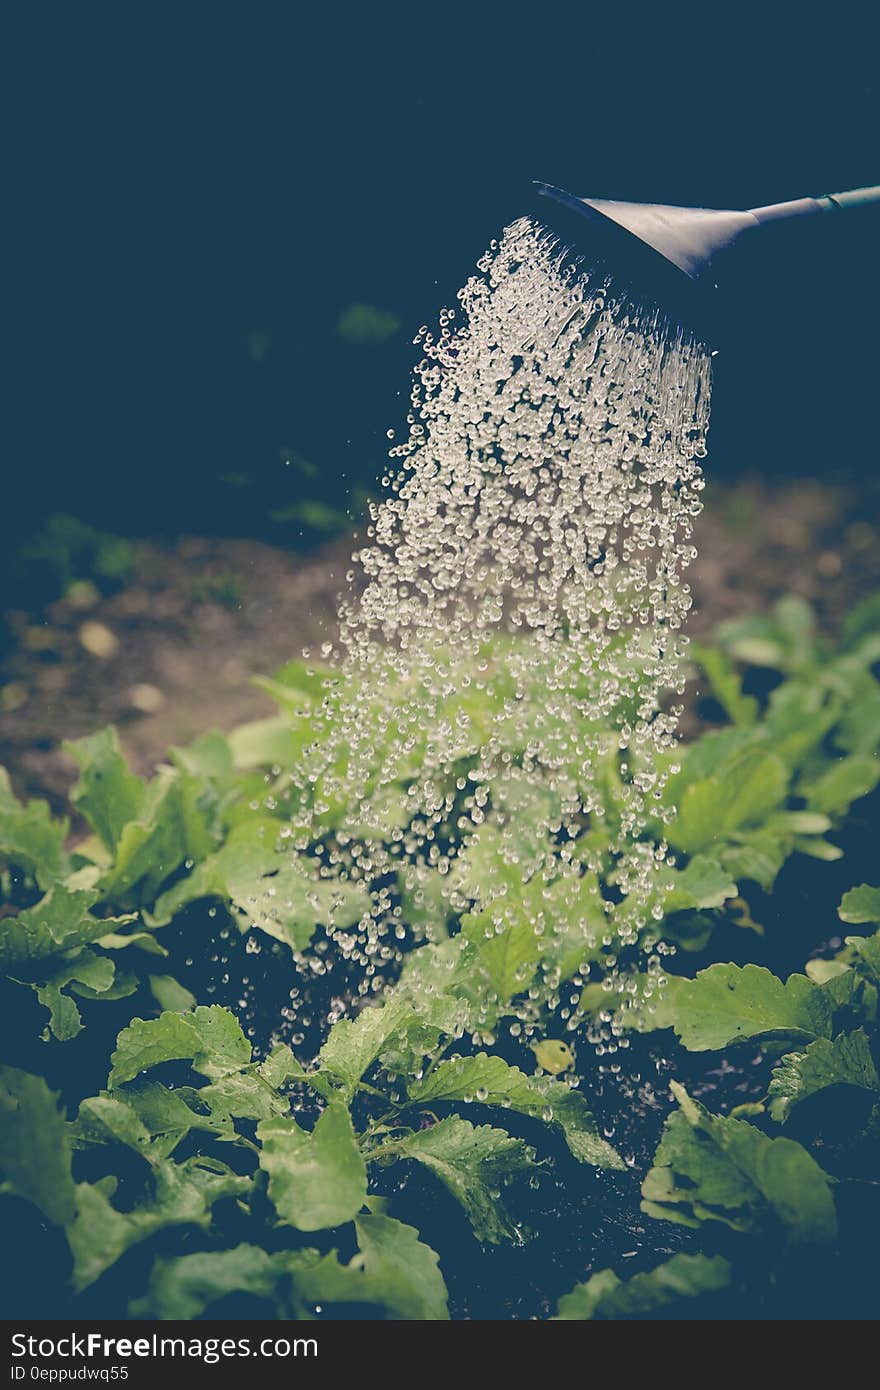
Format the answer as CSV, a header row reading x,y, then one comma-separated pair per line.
x,y
673,255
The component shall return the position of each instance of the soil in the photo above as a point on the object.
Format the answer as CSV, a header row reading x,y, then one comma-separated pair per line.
x,y
171,654
181,641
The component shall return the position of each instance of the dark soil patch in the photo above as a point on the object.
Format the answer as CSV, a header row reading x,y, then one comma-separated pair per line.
x,y
200,617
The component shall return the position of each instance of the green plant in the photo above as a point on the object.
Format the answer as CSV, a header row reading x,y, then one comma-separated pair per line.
x,y
225,589
739,1172
65,551
280,1164
365,326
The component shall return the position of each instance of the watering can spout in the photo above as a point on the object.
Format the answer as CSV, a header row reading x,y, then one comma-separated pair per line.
x,y
657,245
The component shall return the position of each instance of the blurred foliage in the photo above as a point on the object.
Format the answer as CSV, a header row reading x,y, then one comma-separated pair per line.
x,y
65,552
226,589
364,326
315,514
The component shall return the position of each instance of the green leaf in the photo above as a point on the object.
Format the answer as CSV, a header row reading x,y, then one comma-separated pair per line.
x,y
29,838
245,1095
860,905
169,829
845,1061
821,971
606,1296
354,1045
210,1038
866,956
441,994
757,855
316,1179
281,894
529,805
490,1081
726,683
297,687
800,715
169,1116
281,1066
691,931
853,995
800,823
208,761
702,883
742,793
844,782
185,1287
818,849
553,1055
365,326
207,880
143,940
859,728
406,1270
88,975
170,995
148,1043
797,621
58,922
567,919
34,1145
488,870
728,1003
107,794
710,753
104,984
506,947
394,1271
182,1195
311,511
784,640
862,620
223,1046
105,1119
711,1168
265,743
473,1163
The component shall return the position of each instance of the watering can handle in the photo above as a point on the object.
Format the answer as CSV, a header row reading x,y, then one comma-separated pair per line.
x,y
856,197
824,202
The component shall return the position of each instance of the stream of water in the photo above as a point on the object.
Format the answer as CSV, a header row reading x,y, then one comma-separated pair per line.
x,y
511,643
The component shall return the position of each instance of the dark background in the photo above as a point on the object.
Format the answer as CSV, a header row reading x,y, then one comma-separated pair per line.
x,y
195,193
